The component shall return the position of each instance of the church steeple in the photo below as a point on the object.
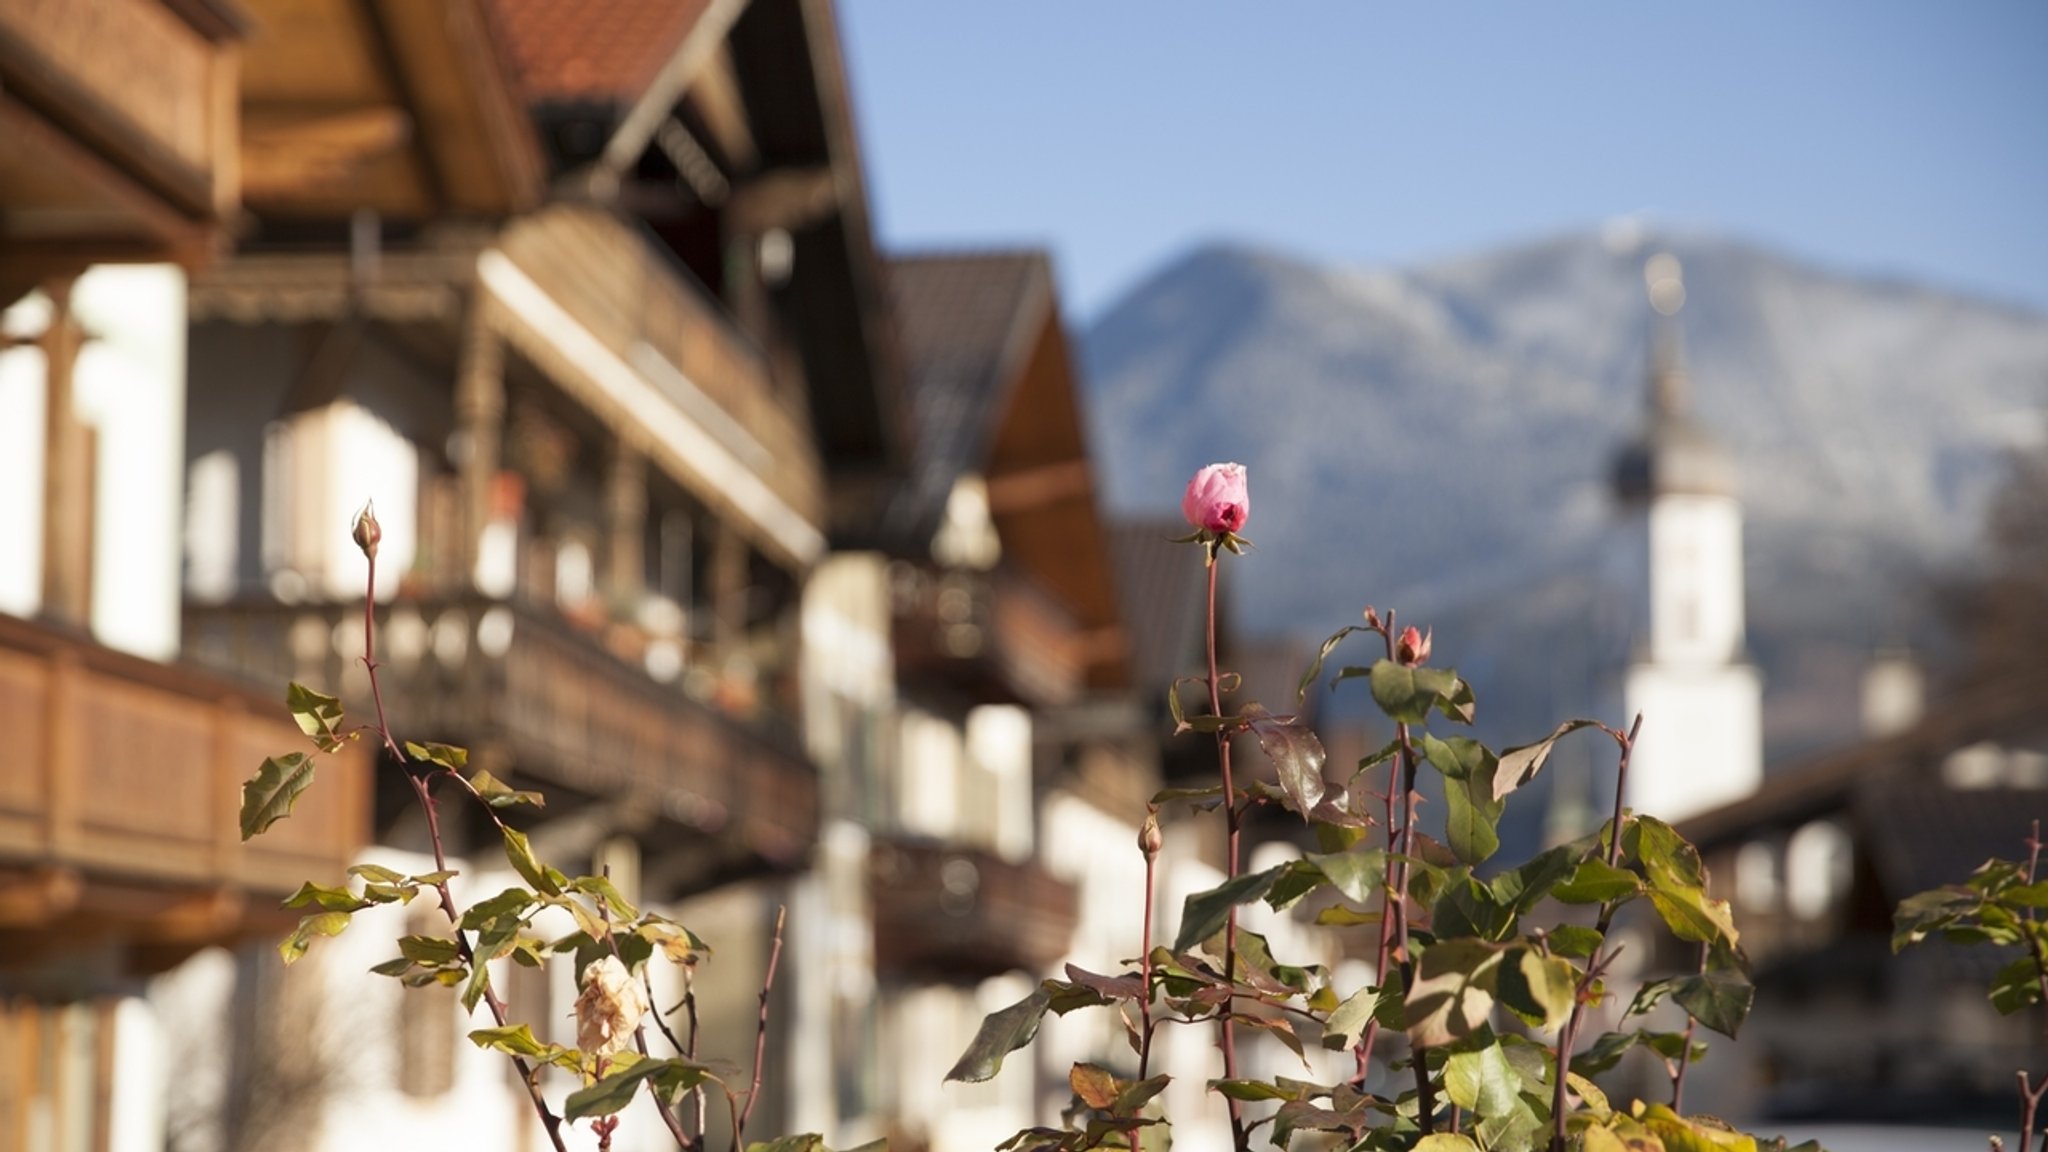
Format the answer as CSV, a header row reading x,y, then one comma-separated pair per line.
x,y
1674,452
1701,700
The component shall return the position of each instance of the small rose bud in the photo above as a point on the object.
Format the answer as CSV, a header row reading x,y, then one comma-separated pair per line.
x,y
1149,839
1413,647
1217,499
1372,618
609,1010
368,533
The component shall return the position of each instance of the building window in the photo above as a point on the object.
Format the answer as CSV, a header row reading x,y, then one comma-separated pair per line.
x,y
1817,870
1756,877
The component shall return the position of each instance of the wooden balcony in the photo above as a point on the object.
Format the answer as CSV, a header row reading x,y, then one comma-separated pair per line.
x,y
120,784
989,634
962,912
528,693
633,299
117,133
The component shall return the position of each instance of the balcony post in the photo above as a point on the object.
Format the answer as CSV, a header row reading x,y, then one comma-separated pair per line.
x,y
626,523
728,586
67,471
480,420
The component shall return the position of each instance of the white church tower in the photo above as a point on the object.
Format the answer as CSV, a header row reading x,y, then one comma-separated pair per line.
x,y
1701,700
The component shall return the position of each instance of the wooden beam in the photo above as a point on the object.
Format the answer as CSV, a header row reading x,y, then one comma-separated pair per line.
x,y
40,896
787,198
1027,488
310,154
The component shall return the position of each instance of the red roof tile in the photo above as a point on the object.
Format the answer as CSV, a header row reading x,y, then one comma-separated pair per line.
x,y
563,50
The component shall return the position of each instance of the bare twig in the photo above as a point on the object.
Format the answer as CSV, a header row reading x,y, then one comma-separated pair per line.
x,y
1568,1036
739,1126
367,534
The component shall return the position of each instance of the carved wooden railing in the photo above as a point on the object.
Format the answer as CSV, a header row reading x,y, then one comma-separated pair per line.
x,y
989,633
119,770
520,686
961,911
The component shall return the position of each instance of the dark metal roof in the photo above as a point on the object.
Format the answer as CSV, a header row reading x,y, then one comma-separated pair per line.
x,y
967,320
1162,585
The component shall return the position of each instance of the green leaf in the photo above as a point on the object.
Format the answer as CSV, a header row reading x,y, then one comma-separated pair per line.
x,y
318,924
429,950
318,716
1467,908
1926,912
1519,765
513,1040
511,902
1001,1033
804,1142
2016,986
1446,1142
1574,940
311,895
1347,1023
1252,1090
1596,882
1540,989
1205,913
520,854
1453,993
499,794
1692,915
1481,1082
1315,669
1296,754
1407,694
1356,874
1719,998
1522,888
1473,815
446,755
600,888
268,796
376,873
615,1091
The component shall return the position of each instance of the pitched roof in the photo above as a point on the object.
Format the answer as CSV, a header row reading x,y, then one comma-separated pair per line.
x,y
1162,587
966,320
591,50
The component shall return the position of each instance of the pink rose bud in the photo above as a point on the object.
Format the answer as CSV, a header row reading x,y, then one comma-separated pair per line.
x,y
1149,839
1413,647
368,533
1217,500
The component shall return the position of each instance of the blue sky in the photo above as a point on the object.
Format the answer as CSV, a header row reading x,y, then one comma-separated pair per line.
x,y
1908,139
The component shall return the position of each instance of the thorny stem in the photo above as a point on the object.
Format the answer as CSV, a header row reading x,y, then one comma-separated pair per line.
x,y
1396,884
421,788
2031,1096
1685,1053
1569,1035
1145,966
1240,1137
1397,899
739,1126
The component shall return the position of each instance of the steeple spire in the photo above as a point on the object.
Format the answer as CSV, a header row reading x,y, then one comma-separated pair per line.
x,y
1674,453
1664,280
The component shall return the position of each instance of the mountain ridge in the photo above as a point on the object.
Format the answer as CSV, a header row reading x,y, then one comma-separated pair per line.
x,y
1439,438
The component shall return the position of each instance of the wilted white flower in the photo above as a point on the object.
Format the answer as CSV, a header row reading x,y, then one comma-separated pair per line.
x,y
609,1009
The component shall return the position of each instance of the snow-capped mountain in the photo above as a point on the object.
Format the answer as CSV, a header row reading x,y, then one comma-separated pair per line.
x,y
1440,439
